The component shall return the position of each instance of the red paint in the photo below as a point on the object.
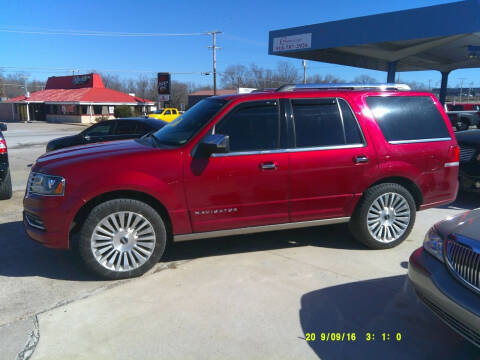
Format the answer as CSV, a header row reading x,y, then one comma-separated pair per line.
x,y
229,192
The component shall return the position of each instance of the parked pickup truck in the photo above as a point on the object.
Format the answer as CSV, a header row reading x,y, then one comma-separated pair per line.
x,y
463,116
167,114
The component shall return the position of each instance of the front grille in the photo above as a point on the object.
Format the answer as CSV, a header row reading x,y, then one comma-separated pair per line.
x,y
461,328
464,262
467,153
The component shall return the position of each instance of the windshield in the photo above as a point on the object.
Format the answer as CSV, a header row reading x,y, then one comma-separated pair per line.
x,y
184,127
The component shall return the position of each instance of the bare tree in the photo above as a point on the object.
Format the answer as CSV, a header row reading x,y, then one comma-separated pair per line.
x,y
365,79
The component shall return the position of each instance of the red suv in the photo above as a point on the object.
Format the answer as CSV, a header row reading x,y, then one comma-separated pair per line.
x,y
239,164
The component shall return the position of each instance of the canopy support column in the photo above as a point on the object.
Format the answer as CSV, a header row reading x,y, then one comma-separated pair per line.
x,y
392,70
443,88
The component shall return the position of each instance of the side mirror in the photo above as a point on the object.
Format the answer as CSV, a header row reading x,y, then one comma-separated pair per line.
x,y
214,144
3,127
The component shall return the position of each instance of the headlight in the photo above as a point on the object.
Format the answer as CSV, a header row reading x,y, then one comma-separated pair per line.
x,y
433,243
42,184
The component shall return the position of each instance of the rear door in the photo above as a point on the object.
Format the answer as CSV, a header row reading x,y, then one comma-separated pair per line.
x,y
249,185
331,159
126,129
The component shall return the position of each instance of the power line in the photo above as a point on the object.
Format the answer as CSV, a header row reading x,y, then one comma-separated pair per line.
x,y
97,33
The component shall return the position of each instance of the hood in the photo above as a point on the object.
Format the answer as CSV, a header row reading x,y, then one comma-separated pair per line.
x,y
90,152
64,139
466,225
469,137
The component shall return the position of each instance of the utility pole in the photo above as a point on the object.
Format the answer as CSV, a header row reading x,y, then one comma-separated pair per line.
x,y
27,95
214,48
304,71
461,88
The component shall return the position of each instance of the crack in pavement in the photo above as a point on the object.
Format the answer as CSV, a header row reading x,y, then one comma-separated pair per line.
x,y
32,341
34,335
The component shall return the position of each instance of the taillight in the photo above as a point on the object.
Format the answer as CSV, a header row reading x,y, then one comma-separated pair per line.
x,y
3,146
454,153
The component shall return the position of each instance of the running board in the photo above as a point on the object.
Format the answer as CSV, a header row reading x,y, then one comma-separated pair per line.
x,y
258,229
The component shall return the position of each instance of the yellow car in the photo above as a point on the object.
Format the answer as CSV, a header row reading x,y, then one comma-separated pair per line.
x,y
167,114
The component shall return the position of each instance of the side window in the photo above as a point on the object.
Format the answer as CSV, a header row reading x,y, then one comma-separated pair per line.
x,y
353,135
101,129
174,112
167,112
126,127
317,123
252,128
406,118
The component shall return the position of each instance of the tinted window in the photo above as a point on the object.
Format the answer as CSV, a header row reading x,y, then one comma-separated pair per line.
x,y
174,112
317,123
251,128
102,129
167,112
404,118
126,127
353,134
180,130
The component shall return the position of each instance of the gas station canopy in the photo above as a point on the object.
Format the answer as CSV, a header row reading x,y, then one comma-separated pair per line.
x,y
442,37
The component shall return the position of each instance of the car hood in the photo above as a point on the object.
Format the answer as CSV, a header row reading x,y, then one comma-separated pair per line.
x,y
91,152
469,137
466,224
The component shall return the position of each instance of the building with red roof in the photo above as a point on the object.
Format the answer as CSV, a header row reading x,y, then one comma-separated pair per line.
x,y
74,99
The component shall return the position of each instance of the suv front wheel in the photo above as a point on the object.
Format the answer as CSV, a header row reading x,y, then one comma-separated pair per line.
x,y
122,238
384,216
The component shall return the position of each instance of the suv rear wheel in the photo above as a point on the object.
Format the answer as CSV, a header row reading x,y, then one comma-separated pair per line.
x,y
6,187
122,238
384,217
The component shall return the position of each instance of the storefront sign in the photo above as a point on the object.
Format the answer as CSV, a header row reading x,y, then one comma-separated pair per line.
x,y
163,84
80,79
293,42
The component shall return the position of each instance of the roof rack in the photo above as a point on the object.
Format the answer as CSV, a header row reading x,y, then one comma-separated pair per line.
x,y
347,86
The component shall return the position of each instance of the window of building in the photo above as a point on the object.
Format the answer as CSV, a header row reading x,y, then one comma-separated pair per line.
x,y
404,118
97,109
255,127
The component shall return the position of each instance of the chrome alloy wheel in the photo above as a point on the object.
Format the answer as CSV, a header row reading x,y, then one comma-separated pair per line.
x,y
388,217
123,241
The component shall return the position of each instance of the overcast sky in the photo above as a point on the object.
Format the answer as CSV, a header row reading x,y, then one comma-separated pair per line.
x,y
245,26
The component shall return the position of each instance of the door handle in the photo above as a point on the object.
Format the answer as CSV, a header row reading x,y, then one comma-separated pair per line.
x,y
360,159
269,166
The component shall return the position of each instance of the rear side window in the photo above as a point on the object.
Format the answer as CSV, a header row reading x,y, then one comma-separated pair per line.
x,y
319,123
408,118
252,128
126,127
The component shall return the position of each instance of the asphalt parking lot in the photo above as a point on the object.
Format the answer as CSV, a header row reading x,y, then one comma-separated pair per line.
x,y
251,296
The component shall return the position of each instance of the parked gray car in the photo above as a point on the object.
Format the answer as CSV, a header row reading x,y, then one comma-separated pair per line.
x,y
445,273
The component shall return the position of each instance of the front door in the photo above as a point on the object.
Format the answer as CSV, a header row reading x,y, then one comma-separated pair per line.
x,y
331,160
247,186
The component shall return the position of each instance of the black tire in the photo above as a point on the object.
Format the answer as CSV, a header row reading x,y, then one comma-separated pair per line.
x,y
358,223
6,187
99,213
462,124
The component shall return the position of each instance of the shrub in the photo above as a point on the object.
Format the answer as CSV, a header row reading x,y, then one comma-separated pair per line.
x,y
122,111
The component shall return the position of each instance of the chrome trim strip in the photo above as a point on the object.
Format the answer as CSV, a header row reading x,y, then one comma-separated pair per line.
x,y
32,224
452,164
396,142
321,148
257,229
